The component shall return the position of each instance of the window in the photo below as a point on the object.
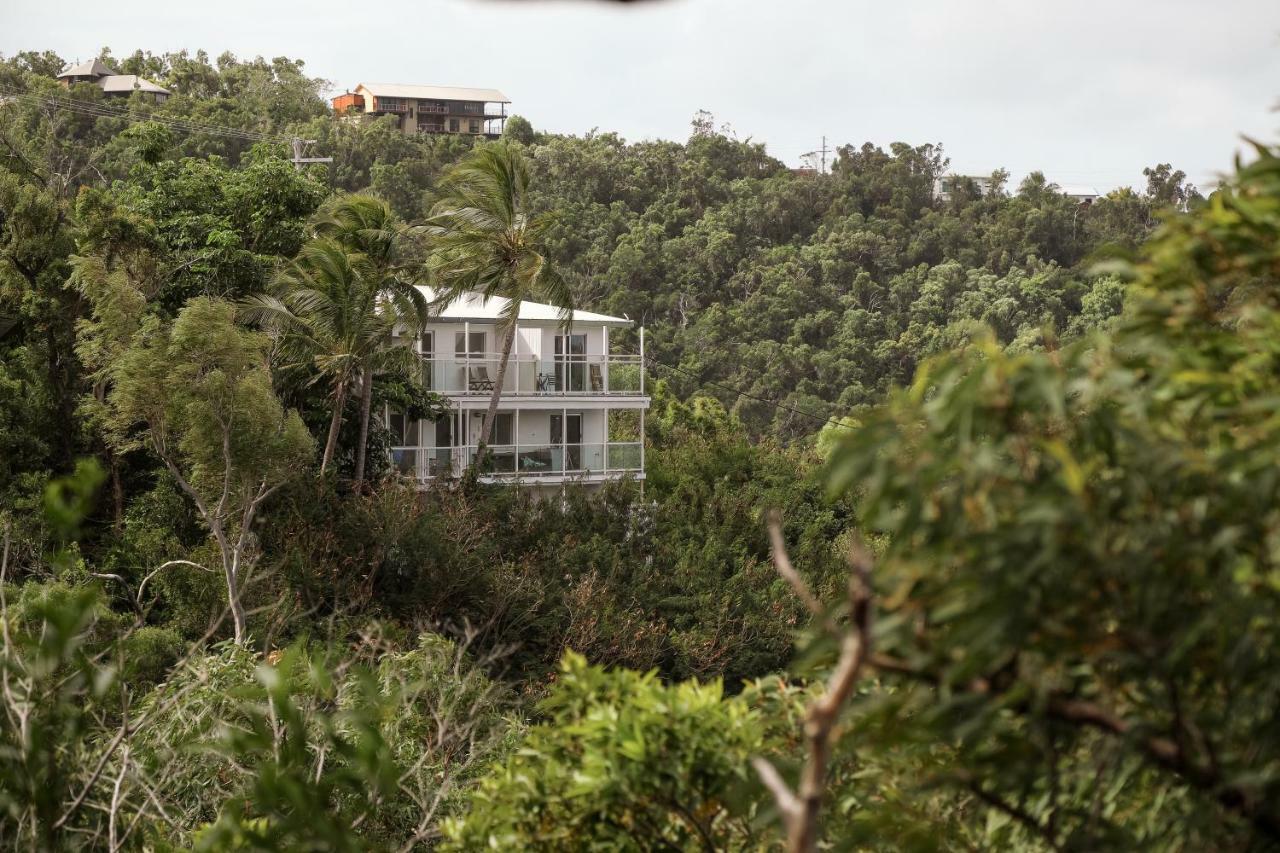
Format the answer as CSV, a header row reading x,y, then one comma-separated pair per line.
x,y
427,350
503,428
475,126
571,369
453,125
460,348
403,429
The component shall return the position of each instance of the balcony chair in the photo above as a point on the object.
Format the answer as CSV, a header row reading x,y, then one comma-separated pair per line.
x,y
478,379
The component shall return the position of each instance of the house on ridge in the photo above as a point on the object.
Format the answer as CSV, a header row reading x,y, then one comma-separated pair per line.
x,y
110,82
429,109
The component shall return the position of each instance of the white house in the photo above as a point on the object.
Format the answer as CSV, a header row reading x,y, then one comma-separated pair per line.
x,y
1080,193
572,407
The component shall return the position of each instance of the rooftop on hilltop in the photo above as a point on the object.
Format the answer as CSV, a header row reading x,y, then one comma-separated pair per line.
x,y
110,81
93,68
434,93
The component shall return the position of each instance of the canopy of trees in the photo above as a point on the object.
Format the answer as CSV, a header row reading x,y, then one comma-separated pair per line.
x,y
1045,431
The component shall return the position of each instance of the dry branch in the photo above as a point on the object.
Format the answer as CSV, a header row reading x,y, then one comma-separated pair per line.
x,y
800,810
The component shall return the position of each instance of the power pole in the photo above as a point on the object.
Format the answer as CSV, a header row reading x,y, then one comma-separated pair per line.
x,y
298,159
824,150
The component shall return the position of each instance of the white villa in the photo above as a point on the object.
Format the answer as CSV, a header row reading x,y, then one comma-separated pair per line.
x,y
572,410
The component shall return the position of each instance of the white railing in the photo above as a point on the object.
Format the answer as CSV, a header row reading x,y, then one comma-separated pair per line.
x,y
566,375
522,461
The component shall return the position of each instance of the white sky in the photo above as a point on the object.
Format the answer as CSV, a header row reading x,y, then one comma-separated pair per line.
x,y
1090,91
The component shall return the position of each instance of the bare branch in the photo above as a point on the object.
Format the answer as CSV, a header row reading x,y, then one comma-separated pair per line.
x,y
782,562
800,810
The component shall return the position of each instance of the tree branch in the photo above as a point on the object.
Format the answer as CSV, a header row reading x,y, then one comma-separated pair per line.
x,y
800,810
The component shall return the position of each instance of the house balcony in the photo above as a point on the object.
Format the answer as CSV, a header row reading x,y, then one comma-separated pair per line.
x,y
528,376
546,463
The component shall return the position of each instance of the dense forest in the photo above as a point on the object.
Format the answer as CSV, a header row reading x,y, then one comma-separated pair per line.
x,y
959,527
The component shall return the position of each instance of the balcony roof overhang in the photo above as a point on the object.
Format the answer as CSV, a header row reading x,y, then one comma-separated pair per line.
x,y
474,308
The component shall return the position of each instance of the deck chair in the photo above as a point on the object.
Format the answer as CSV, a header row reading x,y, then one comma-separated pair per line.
x,y
478,379
597,379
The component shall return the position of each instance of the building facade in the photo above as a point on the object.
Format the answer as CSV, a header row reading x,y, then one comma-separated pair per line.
x,y
429,109
111,83
572,406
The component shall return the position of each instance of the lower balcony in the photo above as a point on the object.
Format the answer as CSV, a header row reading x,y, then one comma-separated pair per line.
x,y
548,463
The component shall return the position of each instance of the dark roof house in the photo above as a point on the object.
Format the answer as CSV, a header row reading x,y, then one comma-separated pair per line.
x,y
110,82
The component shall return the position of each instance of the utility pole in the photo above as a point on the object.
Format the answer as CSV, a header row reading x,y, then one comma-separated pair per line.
x,y
818,158
298,159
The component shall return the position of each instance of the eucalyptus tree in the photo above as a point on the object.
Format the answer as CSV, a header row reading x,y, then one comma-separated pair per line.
x,y
201,390
487,240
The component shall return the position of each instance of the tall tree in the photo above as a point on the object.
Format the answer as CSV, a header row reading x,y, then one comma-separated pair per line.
x,y
488,241
366,224
337,323
201,388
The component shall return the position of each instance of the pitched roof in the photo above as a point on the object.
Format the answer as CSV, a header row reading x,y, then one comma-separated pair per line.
x,y
475,307
434,93
127,83
92,68
1078,190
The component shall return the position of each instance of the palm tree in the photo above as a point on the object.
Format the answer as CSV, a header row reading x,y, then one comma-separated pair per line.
x,y
366,224
487,241
339,315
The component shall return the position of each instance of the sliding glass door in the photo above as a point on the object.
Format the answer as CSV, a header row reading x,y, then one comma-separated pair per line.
x,y
571,362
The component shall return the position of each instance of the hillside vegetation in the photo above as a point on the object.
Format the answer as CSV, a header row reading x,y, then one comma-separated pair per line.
x,y
1023,451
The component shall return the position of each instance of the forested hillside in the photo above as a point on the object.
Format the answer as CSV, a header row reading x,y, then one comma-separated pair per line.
x,y
1021,596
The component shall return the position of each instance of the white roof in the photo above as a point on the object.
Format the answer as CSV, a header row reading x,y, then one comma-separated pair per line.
x,y
127,83
475,307
434,93
1078,190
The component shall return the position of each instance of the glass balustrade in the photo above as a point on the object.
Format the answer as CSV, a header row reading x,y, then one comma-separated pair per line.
x,y
520,460
571,375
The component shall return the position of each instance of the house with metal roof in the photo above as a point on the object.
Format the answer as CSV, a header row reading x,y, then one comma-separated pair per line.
x,y
110,82
429,109
572,404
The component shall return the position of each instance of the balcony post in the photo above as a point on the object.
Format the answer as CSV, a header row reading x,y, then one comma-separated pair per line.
x,y
642,440
604,329
604,444
642,360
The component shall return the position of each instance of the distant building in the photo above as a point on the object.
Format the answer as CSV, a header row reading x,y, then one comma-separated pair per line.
x,y
943,186
111,83
429,109
1082,194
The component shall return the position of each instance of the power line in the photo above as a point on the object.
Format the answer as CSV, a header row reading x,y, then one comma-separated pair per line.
x,y
100,110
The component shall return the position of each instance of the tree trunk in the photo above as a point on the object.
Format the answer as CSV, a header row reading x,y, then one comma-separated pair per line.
x,y
335,424
508,339
366,404
237,607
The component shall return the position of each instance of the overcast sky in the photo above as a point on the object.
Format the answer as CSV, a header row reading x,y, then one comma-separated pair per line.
x,y
1090,91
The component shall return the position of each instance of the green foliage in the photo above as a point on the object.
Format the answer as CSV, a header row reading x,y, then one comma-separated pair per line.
x,y
1080,573
319,751
623,762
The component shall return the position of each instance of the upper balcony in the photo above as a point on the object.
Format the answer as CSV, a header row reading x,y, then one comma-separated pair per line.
x,y
563,376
